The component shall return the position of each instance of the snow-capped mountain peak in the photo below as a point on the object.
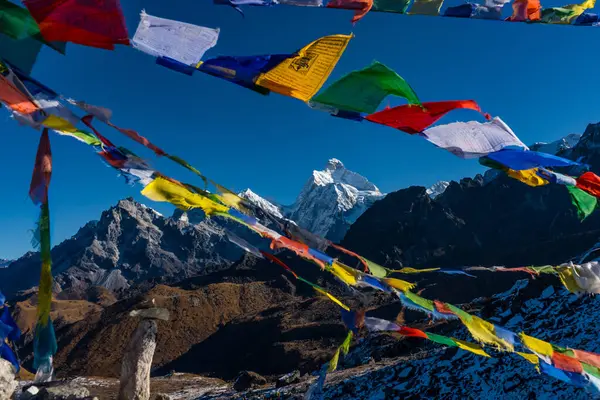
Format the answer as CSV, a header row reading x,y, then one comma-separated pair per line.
x,y
336,172
437,188
331,200
261,202
558,146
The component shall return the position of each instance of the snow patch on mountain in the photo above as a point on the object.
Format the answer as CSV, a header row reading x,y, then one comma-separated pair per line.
x,y
558,146
261,202
438,188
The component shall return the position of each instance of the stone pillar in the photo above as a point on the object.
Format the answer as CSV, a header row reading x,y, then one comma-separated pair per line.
x,y
8,384
137,359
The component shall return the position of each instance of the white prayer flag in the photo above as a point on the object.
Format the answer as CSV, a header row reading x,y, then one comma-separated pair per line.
x,y
473,139
376,324
179,41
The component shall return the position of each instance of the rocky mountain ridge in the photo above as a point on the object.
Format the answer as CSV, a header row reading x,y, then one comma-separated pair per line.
x,y
130,243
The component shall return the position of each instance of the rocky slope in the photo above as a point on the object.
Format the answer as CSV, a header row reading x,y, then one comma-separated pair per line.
x,y
479,221
130,243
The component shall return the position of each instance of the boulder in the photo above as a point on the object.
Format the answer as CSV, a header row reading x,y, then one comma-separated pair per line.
x,y
8,384
248,379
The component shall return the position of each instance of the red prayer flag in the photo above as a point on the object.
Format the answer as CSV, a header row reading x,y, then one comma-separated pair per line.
x,y
362,7
566,363
526,10
139,138
441,307
95,23
42,171
412,332
587,357
415,119
14,98
589,182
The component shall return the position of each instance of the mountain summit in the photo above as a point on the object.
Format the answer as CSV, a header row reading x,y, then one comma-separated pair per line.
x,y
331,200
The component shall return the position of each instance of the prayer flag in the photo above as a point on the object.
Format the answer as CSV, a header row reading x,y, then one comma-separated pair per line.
x,y
587,19
473,139
176,40
391,6
412,332
95,23
426,7
411,119
536,345
378,325
529,177
584,202
471,347
590,182
520,159
364,90
566,363
566,14
587,357
243,70
526,10
361,7
303,75
162,189
462,11
42,171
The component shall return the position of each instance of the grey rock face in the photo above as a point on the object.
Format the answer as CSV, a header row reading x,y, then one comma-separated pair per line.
x,y
137,362
8,384
130,243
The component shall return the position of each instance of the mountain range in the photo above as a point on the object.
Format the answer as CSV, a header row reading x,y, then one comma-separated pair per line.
x,y
218,294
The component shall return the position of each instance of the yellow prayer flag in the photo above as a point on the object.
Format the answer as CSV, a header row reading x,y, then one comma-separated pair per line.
x,y
472,347
346,274
399,284
566,277
527,176
58,124
580,8
532,358
409,270
334,361
485,332
303,75
536,345
161,189
332,298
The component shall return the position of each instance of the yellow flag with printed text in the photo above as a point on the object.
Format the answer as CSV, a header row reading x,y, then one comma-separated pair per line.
x,y
303,75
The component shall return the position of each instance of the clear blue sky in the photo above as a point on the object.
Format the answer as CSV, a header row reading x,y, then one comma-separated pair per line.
x,y
542,80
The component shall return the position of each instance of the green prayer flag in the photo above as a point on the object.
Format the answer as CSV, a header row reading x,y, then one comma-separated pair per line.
x,y
364,90
393,6
17,23
443,340
558,15
423,302
590,369
585,202
376,269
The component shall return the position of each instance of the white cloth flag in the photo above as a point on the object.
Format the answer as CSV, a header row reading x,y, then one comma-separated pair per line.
x,y
376,324
473,139
587,276
243,244
182,42
100,113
